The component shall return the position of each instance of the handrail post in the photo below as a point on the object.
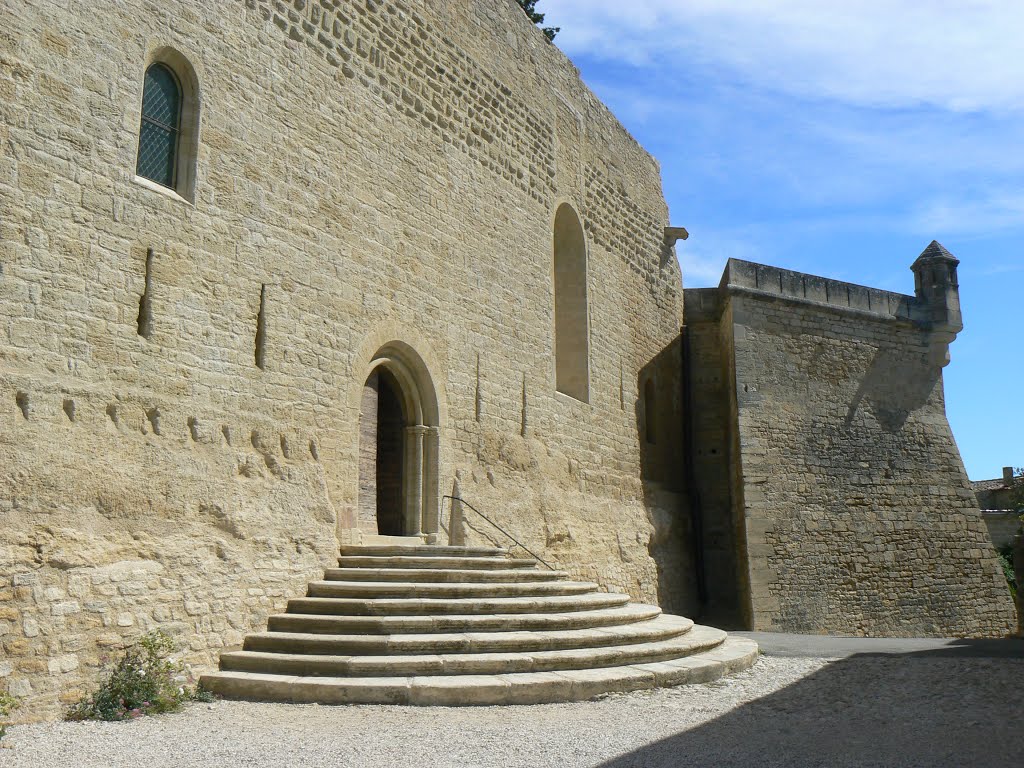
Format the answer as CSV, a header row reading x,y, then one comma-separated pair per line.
x,y
457,524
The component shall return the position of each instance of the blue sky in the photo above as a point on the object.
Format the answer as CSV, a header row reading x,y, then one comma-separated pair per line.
x,y
838,139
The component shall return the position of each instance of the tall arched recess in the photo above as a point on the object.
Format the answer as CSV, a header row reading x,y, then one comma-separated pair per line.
x,y
572,337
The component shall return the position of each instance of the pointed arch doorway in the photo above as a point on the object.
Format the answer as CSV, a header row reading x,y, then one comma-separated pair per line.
x,y
398,448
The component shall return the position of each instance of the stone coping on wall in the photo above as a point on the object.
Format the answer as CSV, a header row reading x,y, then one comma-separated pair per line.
x,y
763,281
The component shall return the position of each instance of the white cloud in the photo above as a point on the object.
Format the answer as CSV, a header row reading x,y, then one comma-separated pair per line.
x,y
994,212
960,55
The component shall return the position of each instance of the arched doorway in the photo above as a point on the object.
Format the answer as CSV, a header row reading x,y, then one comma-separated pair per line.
x,y
398,447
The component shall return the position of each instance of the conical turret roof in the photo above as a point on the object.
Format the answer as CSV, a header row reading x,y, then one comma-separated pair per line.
x,y
935,252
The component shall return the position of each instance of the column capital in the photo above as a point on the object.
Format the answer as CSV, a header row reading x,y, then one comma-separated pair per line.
x,y
417,430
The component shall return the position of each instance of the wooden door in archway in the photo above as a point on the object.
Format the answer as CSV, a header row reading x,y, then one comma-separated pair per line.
x,y
382,455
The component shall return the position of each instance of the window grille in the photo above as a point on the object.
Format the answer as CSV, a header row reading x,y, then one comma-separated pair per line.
x,y
161,125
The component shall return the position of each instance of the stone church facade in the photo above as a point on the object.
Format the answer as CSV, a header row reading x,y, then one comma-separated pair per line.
x,y
398,246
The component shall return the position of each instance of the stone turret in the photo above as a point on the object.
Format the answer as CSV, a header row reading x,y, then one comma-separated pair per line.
x,y
938,291
936,285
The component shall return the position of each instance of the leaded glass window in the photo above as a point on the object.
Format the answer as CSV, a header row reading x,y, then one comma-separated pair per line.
x,y
161,118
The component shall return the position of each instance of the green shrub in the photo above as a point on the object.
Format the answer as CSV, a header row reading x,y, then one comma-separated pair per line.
x,y
145,680
7,705
1006,560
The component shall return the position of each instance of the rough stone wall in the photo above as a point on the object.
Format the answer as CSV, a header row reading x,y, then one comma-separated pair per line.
x,y
116,520
859,517
389,171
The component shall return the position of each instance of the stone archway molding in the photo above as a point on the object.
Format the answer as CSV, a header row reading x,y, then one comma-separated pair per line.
x,y
408,357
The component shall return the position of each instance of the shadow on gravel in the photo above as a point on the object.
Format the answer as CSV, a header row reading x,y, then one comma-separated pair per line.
x,y
957,706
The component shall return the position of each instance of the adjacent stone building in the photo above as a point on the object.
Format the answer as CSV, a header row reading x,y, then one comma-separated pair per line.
x,y
999,507
274,275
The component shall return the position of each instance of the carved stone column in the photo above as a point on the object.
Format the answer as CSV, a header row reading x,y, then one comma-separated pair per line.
x,y
414,439
431,484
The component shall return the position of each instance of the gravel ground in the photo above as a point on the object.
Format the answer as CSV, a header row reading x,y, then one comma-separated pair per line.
x,y
864,710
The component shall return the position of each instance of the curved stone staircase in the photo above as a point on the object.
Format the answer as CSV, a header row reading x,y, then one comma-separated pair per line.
x,y
466,625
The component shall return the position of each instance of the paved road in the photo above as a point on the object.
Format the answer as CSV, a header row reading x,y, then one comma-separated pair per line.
x,y
826,647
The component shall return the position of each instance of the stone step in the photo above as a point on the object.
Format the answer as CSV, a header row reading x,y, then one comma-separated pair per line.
x,y
698,640
508,622
732,655
416,561
407,589
422,550
660,628
463,605
384,540
442,575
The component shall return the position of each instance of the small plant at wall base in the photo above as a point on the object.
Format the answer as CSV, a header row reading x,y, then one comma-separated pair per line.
x,y
529,8
145,680
7,705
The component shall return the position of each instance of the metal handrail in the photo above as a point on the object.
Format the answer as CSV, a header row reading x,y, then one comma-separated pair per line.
x,y
516,541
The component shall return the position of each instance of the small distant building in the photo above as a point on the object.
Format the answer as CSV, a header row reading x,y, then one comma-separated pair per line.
x,y
999,509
